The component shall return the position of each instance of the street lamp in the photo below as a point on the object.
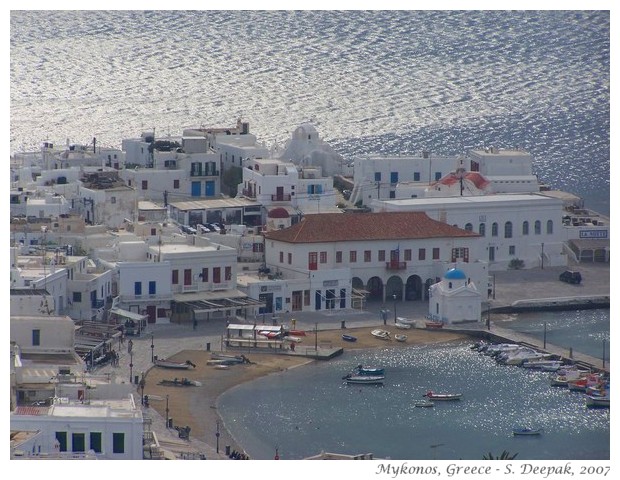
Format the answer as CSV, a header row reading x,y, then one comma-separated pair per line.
x,y
542,256
394,297
152,349
130,366
217,436
142,383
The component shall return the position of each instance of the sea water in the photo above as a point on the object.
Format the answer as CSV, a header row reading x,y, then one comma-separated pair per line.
x,y
306,410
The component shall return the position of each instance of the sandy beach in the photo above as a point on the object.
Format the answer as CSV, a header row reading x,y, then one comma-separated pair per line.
x,y
195,406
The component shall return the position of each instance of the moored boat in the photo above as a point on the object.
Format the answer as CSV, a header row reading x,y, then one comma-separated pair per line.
x,y
361,370
183,382
400,338
349,338
177,365
364,379
597,401
382,334
424,403
402,326
442,396
433,325
526,431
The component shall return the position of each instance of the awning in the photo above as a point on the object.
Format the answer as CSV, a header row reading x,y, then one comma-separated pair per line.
x,y
127,314
205,302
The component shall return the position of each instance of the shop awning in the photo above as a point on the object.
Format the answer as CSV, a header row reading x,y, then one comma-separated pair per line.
x,y
205,302
127,314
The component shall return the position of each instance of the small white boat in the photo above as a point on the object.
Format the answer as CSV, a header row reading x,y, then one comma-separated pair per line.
x,y
403,326
177,365
430,395
364,379
400,338
405,321
382,334
526,431
292,338
597,401
424,403
548,365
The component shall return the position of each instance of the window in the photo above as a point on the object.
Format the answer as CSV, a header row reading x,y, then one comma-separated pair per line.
x,y
338,257
422,254
526,228
306,297
508,230
137,288
118,443
392,193
281,257
312,261
145,185
469,227
61,438
407,254
289,258
152,287
217,272
482,229
228,273
352,256
323,257
187,276
382,255
537,227
112,199
549,227
367,256
437,176
512,250
78,442
393,177
77,297
153,231
416,176
95,442
494,229
460,254
36,337
175,277
258,247
377,176
205,274
176,184
436,253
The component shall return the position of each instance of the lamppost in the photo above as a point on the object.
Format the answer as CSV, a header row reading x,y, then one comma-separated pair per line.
x,y
542,256
130,366
167,412
394,297
217,436
142,383
152,349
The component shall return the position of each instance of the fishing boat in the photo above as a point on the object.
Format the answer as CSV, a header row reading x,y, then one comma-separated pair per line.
x,y
186,365
403,326
361,370
540,364
183,382
364,379
405,321
349,338
382,334
526,431
597,401
270,335
430,395
400,337
424,403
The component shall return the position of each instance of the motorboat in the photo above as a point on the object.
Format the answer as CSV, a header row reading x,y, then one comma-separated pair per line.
x,y
177,365
403,326
526,431
292,338
382,334
430,395
400,337
364,379
517,357
597,401
540,364
424,403
182,382
349,338
405,321
361,370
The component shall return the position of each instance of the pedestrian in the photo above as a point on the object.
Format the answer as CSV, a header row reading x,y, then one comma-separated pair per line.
x,y
129,345
195,323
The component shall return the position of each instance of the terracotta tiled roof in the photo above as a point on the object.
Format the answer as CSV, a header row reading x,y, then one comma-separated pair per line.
x,y
28,410
342,227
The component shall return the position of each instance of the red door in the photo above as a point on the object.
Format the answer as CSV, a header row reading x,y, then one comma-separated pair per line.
x,y
151,311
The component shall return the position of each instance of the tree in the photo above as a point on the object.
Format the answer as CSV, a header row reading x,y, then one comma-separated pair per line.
x,y
231,178
505,455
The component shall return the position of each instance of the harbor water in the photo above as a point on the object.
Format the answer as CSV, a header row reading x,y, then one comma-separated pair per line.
x,y
310,409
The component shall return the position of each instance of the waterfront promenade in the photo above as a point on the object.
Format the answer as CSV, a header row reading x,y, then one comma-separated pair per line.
x,y
510,287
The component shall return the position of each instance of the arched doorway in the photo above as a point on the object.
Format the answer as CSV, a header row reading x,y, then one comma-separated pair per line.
x,y
375,287
413,288
427,286
394,286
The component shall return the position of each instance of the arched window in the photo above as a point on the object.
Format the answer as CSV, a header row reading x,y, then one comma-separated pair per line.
x,y
482,229
494,229
537,227
549,227
469,227
526,228
508,230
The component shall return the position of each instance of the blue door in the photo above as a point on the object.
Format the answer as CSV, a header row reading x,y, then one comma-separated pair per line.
x,y
209,188
195,189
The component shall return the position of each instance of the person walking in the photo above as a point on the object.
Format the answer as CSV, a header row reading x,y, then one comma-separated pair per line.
x,y
129,345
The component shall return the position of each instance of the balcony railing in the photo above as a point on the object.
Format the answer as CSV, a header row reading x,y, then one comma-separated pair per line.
x,y
281,198
248,193
396,265
205,173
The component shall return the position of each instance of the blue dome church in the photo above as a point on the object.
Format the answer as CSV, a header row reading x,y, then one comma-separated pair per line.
x,y
454,299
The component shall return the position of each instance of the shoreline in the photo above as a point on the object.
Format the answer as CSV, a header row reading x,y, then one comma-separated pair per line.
x,y
196,407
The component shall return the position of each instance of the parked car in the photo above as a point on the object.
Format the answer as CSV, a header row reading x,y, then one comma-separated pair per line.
x,y
203,228
570,276
188,229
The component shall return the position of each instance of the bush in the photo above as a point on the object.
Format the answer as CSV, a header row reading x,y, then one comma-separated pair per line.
x,y
516,264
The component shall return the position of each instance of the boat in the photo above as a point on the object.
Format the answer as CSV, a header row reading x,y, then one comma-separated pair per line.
x,y
526,431
382,334
424,403
292,338
270,335
403,326
542,364
349,338
183,382
405,321
430,395
597,401
400,338
297,333
433,325
186,365
230,358
364,379
361,370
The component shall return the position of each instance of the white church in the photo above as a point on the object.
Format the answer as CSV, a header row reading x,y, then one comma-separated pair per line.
x,y
455,299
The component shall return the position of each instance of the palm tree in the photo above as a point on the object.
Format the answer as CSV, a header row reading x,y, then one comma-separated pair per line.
x,y
504,456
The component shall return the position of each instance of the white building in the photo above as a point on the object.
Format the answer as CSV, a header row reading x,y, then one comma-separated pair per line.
x,y
508,171
455,299
525,227
103,198
388,255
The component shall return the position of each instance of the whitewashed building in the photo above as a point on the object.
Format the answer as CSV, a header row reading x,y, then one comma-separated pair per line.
x,y
103,198
455,299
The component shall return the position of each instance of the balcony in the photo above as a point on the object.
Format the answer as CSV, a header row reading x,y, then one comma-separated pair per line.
x,y
281,198
249,193
395,265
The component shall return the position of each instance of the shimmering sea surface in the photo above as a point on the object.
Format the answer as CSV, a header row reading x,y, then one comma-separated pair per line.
x,y
308,410
389,82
